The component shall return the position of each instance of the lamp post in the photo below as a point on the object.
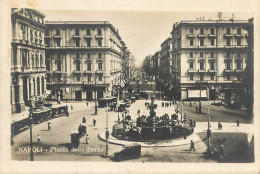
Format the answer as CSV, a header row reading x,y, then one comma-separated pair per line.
x,y
118,103
107,132
95,92
208,131
199,82
30,126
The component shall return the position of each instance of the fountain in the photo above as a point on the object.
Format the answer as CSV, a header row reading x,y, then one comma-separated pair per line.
x,y
152,127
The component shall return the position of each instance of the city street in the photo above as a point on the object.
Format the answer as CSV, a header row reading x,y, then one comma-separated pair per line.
x,y
55,141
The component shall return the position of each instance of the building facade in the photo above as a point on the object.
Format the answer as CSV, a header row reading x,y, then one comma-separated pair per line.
x,y
28,70
83,59
209,58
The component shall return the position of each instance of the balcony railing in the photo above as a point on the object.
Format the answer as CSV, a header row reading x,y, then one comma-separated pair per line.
x,y
228,35
238,70
99,36
87,36
88,71
191,70
202,70
57,36
79,47
212,70
190,35
212,35
239,35
228,70
76,36
201,35
77,71
47,37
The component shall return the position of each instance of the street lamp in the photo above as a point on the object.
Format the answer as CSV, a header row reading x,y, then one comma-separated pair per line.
x,y
30,126
107,132
95,92
208,131
199,82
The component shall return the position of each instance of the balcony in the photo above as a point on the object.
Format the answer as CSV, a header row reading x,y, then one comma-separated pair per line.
x,y
238,35
57,36
212,70
47,37
201,58
190,35
88,72
201,35
76,36
202,70
99,36
87,36
228,35
191,70
58,72
228,70
212,35
238,70
211,58
227,57
77,72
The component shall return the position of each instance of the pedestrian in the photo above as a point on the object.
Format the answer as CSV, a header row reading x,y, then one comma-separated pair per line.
x,y
192,146
87,139
237,123
67,113
79,129
49,126
87,103
196,108
83,120
94,122
190,104
170,104
221,150
71,107
219,125
67,106
194,123
38,139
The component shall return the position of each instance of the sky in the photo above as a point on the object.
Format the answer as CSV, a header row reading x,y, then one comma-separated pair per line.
x,y
142,31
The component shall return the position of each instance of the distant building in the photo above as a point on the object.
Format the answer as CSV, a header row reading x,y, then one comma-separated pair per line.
x,y
28,70
209,58
83,59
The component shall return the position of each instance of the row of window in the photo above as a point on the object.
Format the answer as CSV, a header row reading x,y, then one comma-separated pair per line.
x,y
213,77
212,30
212,65
88,32
77,42
35,36
212,54
34,61
77,77
58,66
212,42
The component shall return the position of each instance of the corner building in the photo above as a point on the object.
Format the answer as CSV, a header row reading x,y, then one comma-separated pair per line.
x,y
209,58
83,59
28,72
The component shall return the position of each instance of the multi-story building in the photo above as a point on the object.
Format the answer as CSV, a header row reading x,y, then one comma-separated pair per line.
x,y
28,70
83,59
166,56
209,58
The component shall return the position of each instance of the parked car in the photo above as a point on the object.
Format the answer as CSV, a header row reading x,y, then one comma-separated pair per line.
x,y
129,152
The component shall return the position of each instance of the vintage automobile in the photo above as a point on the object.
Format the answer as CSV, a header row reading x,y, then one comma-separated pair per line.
x,y
129,152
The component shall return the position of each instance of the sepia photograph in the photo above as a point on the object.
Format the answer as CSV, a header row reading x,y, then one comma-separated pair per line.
x,y
131,86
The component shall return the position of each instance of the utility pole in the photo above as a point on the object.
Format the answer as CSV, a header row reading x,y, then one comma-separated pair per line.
x,y
30,125
208,131
95,92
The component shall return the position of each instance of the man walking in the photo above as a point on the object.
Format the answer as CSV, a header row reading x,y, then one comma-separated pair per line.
x,y
38,139
192,146
94,122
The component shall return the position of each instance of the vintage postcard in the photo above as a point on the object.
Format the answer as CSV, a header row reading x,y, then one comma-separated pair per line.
x,y
130,87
